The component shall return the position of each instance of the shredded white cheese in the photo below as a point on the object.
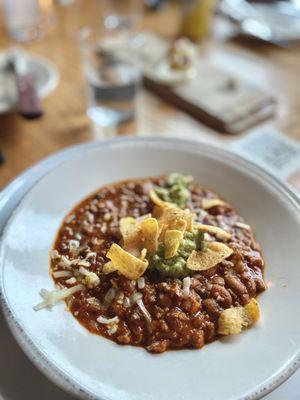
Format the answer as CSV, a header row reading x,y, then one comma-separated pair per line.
x,y
71,281
126,302
112,329
141,282
186,283
83,263
83,271
69,218
93,301
65,262
73,245
109,297
51,298
107,321
143,309
69,230
92,280
90,217
54,254
91,254
242,225
62,274
134,297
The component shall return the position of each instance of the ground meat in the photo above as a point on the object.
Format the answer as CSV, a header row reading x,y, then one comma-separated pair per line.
x,y
176,321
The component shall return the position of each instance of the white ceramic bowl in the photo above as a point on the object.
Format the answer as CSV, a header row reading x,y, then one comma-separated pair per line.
x,y
244,367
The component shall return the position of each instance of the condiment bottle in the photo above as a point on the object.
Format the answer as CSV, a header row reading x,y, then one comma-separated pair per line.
x,y
196,18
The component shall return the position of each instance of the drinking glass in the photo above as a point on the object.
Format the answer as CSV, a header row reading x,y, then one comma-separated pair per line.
x,y
112,77
122,14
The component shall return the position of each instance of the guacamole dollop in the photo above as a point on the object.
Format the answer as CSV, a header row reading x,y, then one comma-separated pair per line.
x,y
175,267
176,190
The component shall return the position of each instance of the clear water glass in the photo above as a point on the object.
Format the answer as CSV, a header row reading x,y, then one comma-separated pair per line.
x,y
122,14
112,77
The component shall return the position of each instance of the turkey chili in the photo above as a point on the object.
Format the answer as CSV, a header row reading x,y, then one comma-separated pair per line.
x,y
161,263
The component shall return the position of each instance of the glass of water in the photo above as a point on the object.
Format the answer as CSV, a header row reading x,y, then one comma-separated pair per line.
x,y
112,76
122,14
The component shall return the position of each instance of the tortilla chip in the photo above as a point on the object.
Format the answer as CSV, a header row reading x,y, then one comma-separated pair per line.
x,y
215,230
253,311
127,264
232,320
143,254
174,219
157,200
172,241
108,268
214,253
130,231
189,217
209,203
149,234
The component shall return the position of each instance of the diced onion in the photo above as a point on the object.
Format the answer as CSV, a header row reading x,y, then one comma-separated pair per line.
x,y
186,283
141,282
51,298
62,274
110,295
135,297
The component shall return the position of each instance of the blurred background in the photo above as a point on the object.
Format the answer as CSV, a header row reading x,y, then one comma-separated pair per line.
x,y
78,70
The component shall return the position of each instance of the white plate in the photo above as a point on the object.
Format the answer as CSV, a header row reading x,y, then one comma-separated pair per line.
x,y
45,75
244,367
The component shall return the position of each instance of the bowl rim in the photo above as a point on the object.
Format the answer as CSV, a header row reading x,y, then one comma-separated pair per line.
x,y
49,369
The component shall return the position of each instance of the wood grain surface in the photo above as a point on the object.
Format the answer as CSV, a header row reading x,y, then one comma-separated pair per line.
x,y
24,142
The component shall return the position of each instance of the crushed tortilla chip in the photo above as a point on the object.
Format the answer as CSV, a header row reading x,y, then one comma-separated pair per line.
x,y
215,230
172,241
174,219
253,311
149,234
127,264
139,234
214,253
157,200
232,320
130,231
108,268
209,203
143,254
189,217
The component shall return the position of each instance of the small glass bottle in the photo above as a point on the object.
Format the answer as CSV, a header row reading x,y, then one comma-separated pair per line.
x,y
196,18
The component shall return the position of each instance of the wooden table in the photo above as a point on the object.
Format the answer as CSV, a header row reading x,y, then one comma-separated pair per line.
x,y
65,123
